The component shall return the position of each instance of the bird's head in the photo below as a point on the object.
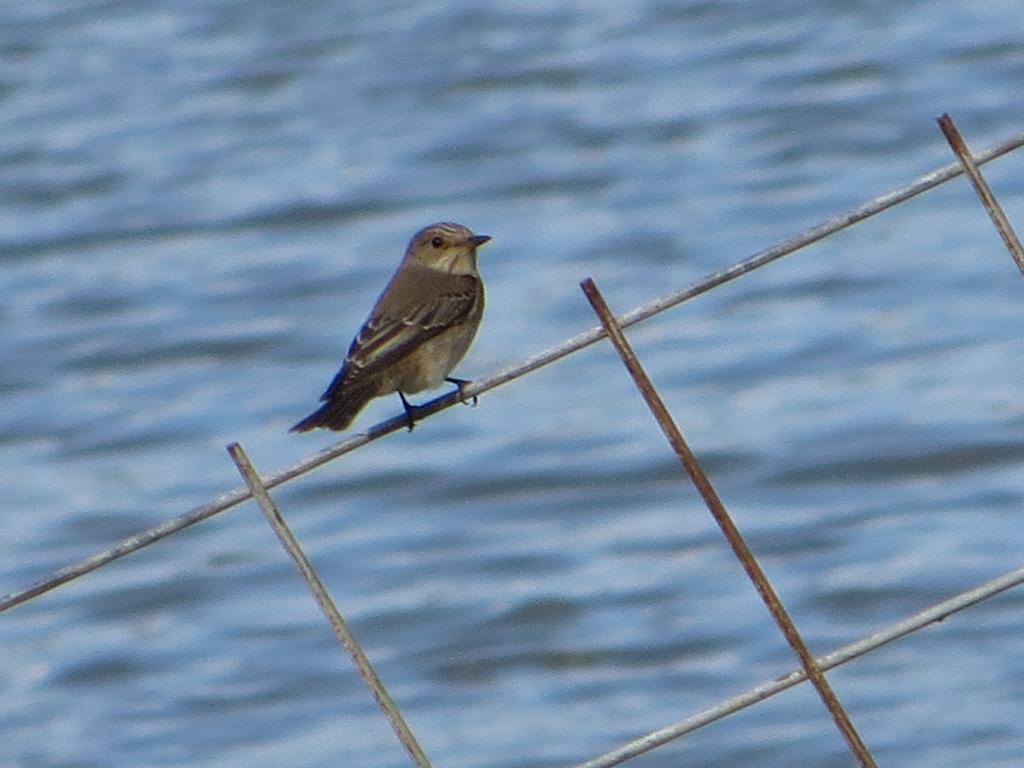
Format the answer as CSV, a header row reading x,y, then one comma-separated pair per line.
x,y
446,246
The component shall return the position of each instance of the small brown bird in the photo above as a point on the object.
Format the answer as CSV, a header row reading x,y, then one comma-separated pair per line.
x,y
418,331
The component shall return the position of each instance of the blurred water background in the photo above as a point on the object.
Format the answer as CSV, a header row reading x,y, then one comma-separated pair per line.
x,y
199,202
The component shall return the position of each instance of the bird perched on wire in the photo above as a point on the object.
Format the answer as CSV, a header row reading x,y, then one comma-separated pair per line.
x,y
418,331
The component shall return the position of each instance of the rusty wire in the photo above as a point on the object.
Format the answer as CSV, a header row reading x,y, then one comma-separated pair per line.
x,y
761,258
331,613
732,533
256,487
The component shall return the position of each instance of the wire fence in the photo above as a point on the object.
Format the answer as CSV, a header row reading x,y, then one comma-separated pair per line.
x,y
811,668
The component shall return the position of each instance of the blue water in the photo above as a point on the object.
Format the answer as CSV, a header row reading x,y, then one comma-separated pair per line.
x,y
199,203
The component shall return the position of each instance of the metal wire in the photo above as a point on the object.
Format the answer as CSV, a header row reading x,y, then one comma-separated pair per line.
x,y
988,200
329,609
256,487
769,688
232,498
914,623
736,540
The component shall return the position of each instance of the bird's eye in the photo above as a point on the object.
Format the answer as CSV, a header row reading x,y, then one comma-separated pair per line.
x,y
436,241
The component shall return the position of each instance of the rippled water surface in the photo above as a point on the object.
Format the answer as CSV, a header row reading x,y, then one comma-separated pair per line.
x,y
199,203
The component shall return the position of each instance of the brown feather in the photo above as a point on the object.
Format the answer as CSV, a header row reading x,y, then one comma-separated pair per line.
x,y
395,331
420,327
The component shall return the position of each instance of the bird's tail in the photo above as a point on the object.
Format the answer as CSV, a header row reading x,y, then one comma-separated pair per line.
x,y
337,413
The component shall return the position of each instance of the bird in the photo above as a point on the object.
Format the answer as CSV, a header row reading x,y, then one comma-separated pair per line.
x,y
419,329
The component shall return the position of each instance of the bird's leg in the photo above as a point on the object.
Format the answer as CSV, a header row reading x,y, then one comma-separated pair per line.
x,y
410,412
461,384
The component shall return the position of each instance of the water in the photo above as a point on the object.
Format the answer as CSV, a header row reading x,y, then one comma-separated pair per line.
x,y
199,202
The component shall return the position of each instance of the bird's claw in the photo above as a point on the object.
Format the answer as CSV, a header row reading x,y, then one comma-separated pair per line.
x,y
461,384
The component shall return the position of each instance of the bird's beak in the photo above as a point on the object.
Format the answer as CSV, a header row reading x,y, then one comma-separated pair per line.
x,y
477,240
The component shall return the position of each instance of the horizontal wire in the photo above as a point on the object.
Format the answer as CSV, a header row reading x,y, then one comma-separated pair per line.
x,y
918,621
761,258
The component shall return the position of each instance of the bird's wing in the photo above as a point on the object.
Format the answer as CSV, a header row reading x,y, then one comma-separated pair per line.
x,y
391,334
